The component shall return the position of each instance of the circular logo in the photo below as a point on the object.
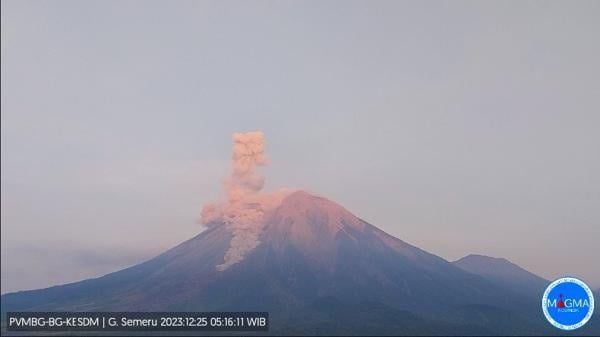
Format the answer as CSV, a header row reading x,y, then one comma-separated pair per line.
x,y
568,303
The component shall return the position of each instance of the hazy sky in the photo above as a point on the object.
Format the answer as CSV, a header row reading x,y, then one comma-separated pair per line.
x,y
459,127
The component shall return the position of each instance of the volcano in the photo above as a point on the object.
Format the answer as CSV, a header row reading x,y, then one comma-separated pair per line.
x,y
317,269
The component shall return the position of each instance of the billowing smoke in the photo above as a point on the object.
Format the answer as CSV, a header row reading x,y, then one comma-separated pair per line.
x,y
246,206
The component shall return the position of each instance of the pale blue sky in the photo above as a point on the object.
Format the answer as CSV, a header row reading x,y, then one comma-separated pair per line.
x,y
460,127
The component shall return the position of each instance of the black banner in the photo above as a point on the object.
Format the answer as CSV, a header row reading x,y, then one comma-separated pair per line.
x,y
138,321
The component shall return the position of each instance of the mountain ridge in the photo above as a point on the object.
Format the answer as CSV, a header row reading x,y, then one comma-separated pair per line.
x,y
314,259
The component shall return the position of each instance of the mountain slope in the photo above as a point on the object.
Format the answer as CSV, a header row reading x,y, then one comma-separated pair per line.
x,y
151,285
314,260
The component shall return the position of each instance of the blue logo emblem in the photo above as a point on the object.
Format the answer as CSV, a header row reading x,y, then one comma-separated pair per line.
x,y
568,303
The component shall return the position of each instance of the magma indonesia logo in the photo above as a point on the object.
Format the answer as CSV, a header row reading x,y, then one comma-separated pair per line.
x,y
568,303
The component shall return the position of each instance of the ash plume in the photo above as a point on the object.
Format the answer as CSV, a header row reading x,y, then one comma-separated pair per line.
x,y
244,211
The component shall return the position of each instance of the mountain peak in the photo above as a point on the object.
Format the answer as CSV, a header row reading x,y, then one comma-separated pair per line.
x,y
306,200
476,258
502,271
305,208
310,223
300,194
482,264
